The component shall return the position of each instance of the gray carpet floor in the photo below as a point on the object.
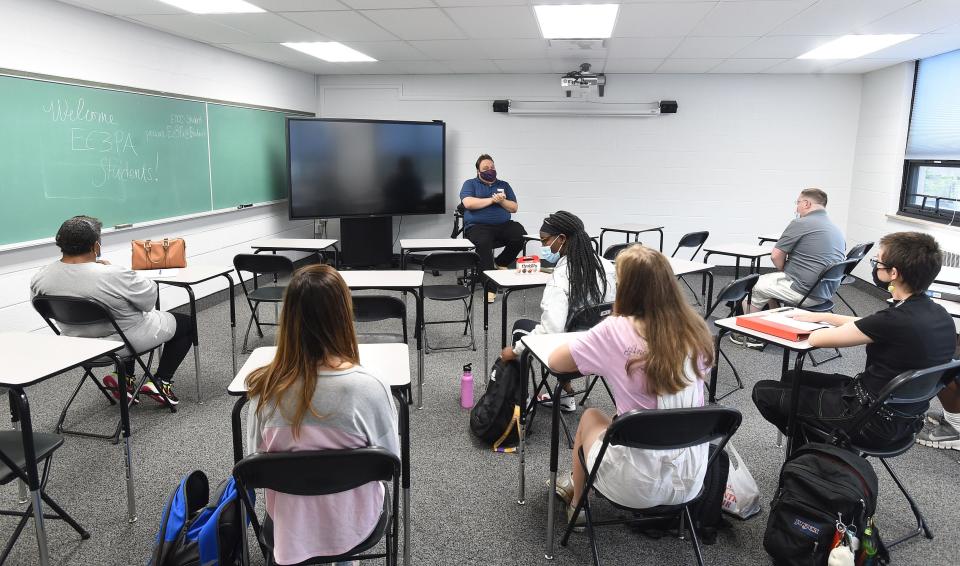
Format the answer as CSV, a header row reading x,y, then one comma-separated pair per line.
x,y
464,508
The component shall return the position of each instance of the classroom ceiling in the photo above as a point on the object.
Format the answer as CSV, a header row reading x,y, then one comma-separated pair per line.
x,y
502,36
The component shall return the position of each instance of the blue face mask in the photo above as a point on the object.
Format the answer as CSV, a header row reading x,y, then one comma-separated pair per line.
x,y
547,254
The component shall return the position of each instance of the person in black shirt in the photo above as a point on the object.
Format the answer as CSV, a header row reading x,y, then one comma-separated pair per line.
x,y
912,333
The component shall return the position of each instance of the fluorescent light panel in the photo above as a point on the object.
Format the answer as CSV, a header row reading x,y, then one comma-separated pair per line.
x,y
577,21
215,6
330,51
853,46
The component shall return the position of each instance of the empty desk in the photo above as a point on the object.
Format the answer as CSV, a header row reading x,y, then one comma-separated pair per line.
x,y
310,245
632,229
753,252
410,245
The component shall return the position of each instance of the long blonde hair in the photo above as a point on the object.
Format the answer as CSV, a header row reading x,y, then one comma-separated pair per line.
x,y
315,328
648,290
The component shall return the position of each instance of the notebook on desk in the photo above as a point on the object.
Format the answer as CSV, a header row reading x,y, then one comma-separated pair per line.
x,y
776,323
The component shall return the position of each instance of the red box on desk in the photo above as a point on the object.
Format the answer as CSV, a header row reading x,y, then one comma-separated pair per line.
x,y
761,324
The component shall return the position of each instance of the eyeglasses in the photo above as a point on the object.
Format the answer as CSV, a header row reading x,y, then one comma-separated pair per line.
x,y
876,263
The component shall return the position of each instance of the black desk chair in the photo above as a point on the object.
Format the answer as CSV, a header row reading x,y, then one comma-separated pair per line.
x,y
257,265
467,263
76,311
658,429
322,472
692,240
858,253
376,308
731,295
613,251
910,387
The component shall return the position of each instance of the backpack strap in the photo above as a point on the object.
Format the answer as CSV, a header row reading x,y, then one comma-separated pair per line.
x,y
514,422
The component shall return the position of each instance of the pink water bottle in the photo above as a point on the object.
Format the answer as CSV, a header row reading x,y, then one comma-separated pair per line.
x,y
466,387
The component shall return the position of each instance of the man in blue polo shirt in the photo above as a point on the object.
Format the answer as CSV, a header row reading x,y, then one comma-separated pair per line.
x,y
489,202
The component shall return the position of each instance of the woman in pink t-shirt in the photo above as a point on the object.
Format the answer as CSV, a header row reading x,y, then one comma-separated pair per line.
x,y
654,352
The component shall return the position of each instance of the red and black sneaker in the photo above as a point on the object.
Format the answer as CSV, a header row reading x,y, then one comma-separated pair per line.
x,y
110,382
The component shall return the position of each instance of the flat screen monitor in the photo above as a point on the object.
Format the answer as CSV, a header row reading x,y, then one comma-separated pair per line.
x,y
362,168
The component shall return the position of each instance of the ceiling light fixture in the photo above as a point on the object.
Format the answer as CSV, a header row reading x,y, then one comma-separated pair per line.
x,y
564,108
577,21
215,6
330,51
853,46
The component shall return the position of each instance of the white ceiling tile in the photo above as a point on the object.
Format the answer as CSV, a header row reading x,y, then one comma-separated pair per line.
x,y
127,7
450,3
745,65
424,23
269,52
919,47
194,27
922,17
660,19
384,4
473,67
710,47
748,18
341,26
642,47
532,66
858,66
688,65
513,48
838,17
573,64
299,5
267,27
632,65
781,47
369,68
387,50
801,66
426,67
516,22
445,49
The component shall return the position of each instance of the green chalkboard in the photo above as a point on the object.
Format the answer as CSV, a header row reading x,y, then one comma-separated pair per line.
x,y
128,157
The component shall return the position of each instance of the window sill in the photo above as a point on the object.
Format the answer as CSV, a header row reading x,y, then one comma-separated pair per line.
x,y
922,222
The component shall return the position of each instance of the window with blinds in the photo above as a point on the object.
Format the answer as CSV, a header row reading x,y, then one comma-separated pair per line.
x,y
931,180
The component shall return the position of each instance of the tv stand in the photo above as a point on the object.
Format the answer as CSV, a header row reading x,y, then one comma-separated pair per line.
x,y
366,242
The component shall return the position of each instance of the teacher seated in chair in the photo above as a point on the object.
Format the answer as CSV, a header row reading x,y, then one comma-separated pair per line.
x,y
489,202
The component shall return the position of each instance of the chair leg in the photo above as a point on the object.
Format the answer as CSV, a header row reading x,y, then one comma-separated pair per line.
x,y
586,393
922,527
736,376
839,296
246,336
64,515
591,533
16,534
692,292
693,535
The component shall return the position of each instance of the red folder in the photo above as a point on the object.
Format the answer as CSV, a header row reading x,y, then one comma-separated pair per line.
x,y
761,324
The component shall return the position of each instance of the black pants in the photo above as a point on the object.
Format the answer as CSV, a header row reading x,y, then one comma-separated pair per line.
x,y
174,349
486,237
827,401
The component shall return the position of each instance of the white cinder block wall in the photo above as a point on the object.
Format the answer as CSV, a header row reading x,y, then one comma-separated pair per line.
x,y
44,37
731,161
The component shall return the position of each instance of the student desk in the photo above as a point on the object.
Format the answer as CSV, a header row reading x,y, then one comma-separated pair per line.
x,y
527,238
29,358
311,245
683,267
186,278
631,229
432,244
948,276
769,237
540,346
389,361
801,349
391,280
740,251
510,281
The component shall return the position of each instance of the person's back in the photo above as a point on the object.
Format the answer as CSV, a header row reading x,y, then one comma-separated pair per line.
x,y
812,243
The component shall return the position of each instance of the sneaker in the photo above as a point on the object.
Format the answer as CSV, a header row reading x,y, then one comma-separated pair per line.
x,y
567,403
111,384
581,523
565,488
744,340
491,297
940,435
150,390
933,416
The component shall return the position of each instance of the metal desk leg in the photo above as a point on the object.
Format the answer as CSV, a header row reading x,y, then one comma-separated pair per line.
x,y
521,448
503,319
708,301
196,339
794,401
404,416
554,456
236,430
233,324
661,239
715,371
19,397
486,332
15,419
127,451
736,270
418,332
602,232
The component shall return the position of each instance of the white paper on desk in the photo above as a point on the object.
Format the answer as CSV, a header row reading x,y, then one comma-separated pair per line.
x,y
779,318
155,273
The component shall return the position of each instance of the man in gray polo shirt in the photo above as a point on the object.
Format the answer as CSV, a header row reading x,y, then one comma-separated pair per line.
x,y
810,243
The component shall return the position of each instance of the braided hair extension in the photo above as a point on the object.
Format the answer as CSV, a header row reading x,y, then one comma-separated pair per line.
x,y
587,277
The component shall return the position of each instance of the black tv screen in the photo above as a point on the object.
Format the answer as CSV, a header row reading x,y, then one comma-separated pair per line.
x,y
350,168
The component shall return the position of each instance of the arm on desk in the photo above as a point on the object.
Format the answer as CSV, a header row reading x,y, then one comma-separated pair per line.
x,y
839,337
826,317
561,360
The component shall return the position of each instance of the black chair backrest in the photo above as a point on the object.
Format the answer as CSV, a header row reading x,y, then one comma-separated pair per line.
x,y
613,251
588,317
263,264
672,429
451,261
833,272
692,240
372,308
734,292
75,311
458,221
316,472
860,250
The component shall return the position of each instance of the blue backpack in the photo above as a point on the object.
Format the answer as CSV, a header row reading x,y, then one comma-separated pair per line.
x,y
197,529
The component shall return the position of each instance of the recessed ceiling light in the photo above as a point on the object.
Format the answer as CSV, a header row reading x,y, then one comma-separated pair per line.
x,y
853,46
577,21
330,51
215,6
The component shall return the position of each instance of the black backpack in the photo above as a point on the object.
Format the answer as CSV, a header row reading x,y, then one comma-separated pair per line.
x,y
495,418
819,484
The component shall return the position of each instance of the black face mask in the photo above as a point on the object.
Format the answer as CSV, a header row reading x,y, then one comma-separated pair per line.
x,y
876,280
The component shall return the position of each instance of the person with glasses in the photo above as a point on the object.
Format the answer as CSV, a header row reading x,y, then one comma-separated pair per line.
x,y
912,333
807,246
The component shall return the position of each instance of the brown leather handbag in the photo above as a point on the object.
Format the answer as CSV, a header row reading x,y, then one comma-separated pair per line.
x,y
167,253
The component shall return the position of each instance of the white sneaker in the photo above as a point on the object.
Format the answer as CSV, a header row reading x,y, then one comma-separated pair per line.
x,y
567,404
940,435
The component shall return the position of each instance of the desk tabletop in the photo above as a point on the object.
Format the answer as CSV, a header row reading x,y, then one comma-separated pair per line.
x,y
383,279
508,278
436,244
293,244
949,276
542,345
29,357
531,237
389,361
731,324
195,273
686,267
631,227
742,250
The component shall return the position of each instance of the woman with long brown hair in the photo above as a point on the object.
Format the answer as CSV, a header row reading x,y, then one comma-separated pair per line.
x,y
654,352
314,395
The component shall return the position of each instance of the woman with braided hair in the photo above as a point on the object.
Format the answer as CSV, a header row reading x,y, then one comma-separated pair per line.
x,y
581,278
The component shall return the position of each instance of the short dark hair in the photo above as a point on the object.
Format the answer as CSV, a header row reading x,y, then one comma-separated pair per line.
x,y
916,256
77,235
482,157
816,195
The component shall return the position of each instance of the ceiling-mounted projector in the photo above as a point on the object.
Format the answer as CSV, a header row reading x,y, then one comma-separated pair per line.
x,y
583,82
